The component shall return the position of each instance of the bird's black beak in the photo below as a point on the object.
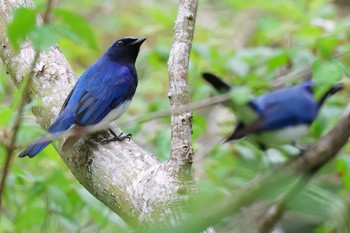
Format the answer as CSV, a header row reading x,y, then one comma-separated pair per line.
x,y
139,42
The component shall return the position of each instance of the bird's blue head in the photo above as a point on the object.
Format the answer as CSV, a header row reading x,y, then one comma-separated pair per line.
x,y
125,50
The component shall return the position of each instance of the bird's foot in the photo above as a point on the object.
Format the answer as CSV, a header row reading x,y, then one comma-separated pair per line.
x,y
116,138
300,147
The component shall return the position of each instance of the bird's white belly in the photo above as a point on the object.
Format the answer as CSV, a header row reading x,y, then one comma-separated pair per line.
x,y
116,113
282,136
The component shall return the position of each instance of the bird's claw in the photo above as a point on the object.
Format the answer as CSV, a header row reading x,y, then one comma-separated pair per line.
x,y
300,147
116,138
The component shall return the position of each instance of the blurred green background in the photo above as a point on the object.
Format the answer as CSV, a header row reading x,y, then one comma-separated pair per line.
x,y
249,43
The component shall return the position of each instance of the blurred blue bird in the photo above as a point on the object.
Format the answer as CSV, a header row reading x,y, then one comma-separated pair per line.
x,y
101,95
278,117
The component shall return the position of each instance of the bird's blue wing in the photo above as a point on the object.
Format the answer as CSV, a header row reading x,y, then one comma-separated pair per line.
x,y
287,107
66,101
280,115
97,102
100,89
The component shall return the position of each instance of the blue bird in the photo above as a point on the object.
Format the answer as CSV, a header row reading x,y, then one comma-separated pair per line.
x,y
278,117
101,95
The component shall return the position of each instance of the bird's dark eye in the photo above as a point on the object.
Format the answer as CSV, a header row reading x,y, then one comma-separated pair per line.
x,y
119,43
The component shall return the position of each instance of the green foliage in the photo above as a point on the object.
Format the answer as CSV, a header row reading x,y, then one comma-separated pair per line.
x,y
70,25
241,95
23,23
44,31
75,28
327,45
326,73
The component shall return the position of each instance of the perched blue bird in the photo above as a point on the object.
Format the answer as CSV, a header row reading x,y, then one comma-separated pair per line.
x,y
278,117
101,95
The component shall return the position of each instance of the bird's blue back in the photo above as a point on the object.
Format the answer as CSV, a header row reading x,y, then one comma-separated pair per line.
x,y
286,107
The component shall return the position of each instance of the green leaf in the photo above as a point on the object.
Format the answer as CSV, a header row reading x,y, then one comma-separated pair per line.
x,y
29,217
198,126
327,45
66,32
43,37
76,28
343,168
6,115
278,60
327,72
23,23
346,180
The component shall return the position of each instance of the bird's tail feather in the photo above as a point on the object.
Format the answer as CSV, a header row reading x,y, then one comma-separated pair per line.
x,y
334,89
62,123
35,148
217,82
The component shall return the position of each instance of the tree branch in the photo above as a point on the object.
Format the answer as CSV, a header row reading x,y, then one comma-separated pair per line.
x,y
181,119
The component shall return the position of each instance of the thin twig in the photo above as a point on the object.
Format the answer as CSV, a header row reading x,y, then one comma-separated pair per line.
x,y
10,147
193,106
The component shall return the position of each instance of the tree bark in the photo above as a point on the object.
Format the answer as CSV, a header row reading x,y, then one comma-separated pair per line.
x,y
180,160
125,177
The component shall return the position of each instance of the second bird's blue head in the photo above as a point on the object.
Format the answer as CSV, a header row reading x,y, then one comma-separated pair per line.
x,y
125,49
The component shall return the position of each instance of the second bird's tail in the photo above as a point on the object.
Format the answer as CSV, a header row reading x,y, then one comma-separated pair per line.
x,y
334,89
217,82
